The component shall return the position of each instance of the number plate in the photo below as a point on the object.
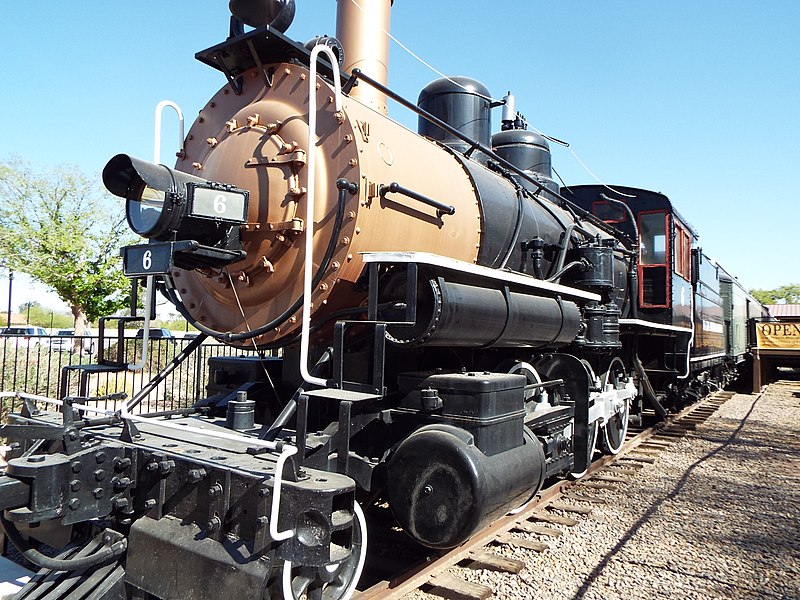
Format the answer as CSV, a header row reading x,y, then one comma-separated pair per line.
x,y
224,205
147,259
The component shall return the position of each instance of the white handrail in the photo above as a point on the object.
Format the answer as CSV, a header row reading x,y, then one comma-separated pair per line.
x,y
148,300
309,225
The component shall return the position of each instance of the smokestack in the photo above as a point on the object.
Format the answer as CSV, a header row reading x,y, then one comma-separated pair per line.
x,y
361,27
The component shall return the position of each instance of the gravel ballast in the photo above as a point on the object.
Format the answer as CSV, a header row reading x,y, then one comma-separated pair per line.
x,y
716,516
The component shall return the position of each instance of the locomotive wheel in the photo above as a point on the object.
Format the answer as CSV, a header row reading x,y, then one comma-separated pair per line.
x,y
616,427
336,581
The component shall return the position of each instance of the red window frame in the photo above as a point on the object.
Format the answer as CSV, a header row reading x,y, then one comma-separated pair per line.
x,y
597,203
683,252
665,266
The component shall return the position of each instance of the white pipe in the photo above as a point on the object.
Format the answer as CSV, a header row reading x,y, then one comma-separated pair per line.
x,y
136,366
309,225
276,496
157,137
148,307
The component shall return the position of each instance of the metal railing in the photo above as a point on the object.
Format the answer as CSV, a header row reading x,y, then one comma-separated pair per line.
x,y
36,365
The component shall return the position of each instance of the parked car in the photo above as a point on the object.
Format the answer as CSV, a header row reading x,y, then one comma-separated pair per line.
x,y
25,336
64,341
157,333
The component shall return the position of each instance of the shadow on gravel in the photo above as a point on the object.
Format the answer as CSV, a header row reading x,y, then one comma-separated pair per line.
x,y
647,516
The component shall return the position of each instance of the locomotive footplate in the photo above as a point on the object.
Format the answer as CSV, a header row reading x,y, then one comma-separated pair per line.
x,y
191,497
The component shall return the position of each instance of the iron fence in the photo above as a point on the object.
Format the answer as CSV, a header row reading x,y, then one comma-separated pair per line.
x,y
45,367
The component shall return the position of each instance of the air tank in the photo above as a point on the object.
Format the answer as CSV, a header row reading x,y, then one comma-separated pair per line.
x,y
528,151
461,102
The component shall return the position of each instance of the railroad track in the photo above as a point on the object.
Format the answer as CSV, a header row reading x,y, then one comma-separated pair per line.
x,y
438,572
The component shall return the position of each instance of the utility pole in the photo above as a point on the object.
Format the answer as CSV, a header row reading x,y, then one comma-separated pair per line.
x,y
10,285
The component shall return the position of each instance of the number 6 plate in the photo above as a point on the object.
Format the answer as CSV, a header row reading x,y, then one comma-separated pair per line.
x,y
148,259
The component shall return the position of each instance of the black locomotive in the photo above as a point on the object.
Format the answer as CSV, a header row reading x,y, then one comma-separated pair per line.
x,y
449,329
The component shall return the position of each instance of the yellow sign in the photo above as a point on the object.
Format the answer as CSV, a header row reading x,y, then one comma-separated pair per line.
x,y
779,336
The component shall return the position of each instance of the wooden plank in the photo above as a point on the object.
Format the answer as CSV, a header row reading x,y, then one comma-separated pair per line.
x,y
646,452
486,559
581,510
585,498
512,540
634,458
623,471
598,485
611,478
529,527
451,587
557,519
656,444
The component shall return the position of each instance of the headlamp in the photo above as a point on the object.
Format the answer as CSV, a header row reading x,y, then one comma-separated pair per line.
x,y
170,206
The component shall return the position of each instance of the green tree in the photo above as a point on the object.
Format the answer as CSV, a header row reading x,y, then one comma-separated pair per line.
x,y
789,294
61,229
36,314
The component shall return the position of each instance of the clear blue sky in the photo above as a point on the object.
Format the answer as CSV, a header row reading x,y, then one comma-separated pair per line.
x,y
696,99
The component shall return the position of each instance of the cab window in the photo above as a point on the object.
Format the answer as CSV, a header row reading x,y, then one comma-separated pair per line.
x,y
683,252
654,280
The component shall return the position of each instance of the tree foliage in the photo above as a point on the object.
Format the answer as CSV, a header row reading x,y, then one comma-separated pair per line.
x,y
36,314
789,294
58,227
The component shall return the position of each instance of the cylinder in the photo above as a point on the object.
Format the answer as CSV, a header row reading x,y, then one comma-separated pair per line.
x,y
461,102
442,489
241,413
363,30
526,150
467,316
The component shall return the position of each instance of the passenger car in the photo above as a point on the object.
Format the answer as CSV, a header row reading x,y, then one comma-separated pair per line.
x,y
25,336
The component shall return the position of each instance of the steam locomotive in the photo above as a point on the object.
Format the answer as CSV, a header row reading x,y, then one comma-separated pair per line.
x,y
450,328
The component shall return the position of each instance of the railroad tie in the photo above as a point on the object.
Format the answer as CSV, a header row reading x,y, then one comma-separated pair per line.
x,y
555,519
584,498
611,478
632,458
486,559
453,588
581,510
521,542
598,485
528,527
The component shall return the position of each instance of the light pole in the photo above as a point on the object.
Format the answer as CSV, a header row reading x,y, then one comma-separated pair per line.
x,y
10,286
28,316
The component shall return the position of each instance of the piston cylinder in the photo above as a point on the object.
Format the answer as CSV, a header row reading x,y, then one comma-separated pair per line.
x,y
442,488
